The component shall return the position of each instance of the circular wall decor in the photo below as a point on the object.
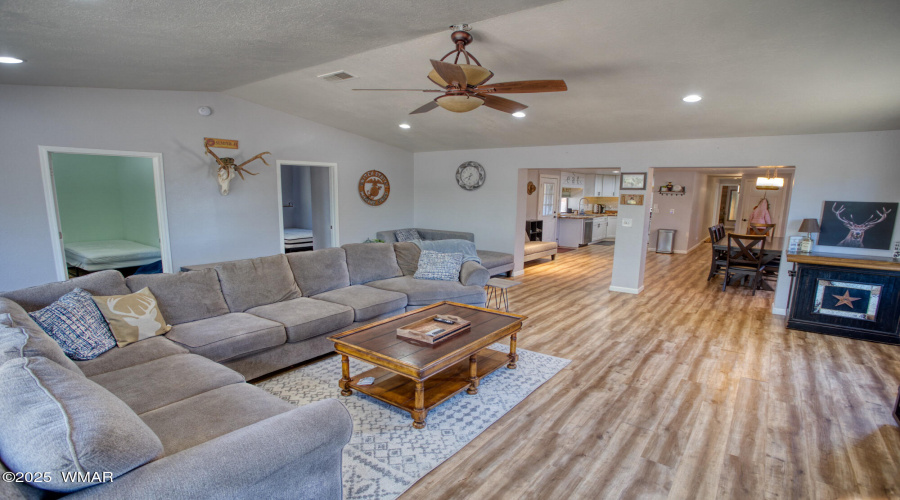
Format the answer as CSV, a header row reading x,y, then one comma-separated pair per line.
x,y
531,188
374,188
470,175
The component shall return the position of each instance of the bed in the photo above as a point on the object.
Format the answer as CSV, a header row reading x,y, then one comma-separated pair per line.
x,y
297,240
110,254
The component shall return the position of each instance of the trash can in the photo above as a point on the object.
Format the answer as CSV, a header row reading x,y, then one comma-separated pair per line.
x,y
664,240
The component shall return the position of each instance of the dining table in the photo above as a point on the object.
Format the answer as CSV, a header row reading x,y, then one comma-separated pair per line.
x,y
773,248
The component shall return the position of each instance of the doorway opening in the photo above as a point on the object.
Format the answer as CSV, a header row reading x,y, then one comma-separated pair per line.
x,y
307,202
107,210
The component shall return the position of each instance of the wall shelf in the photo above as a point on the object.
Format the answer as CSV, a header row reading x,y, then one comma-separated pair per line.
x,y
672,193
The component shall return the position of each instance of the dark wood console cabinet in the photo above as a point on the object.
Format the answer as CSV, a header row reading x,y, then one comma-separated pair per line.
x,y
845,295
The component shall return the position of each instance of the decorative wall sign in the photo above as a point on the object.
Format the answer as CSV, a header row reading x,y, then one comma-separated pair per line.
x,y
470,175
221,143
374,188
531,188
847,299
633,181
858,224
631,199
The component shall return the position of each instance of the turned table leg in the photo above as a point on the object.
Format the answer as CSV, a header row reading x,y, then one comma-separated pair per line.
x,y
419,413
473,375
513,357
345,376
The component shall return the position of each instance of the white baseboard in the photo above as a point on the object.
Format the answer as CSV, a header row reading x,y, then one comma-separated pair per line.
x,y
626,289
520,272
779,311
689,250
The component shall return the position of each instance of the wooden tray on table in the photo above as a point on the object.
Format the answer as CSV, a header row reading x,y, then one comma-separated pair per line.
x,y
431,331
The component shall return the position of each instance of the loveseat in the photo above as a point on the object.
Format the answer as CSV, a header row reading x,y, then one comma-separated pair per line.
x,y
495,262
172,416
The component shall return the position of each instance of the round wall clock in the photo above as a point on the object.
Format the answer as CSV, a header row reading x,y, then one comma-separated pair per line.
x,y
374,188
470,175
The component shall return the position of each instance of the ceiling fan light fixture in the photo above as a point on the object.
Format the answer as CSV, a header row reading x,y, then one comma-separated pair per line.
x,y
459,103
475,75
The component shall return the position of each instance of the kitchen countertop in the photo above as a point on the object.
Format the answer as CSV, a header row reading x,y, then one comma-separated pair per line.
x,y
585,216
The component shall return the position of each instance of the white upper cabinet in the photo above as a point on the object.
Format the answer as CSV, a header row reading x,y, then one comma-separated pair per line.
x,y
609,186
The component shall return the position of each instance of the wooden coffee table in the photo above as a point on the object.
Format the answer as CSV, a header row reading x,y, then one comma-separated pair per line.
x,y
415,376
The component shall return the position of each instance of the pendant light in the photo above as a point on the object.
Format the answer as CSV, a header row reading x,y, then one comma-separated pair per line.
x,y
770,183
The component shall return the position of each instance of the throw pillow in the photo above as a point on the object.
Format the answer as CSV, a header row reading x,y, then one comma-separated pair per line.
x,y
76,324
438,266
407,235
53,423
133,317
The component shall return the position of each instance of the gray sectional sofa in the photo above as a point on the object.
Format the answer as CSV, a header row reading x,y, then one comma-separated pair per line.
x,y
495,262
189,425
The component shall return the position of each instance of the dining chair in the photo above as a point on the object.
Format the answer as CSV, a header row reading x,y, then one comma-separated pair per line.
x,y
718,256
720,231
765,229
745,258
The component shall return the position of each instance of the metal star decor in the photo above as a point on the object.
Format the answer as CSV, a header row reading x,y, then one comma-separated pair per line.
x,y
845,299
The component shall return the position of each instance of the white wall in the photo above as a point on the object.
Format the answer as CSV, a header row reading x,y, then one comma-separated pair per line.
x,y
204,226
682,221
854,166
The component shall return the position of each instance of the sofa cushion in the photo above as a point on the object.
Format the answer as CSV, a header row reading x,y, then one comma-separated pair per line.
x,y
491,259
408,254
320,270
184,297
371,261
255,282
55,422
539,246
367,302
214,413
130,355
133,317
100,283
472,273
304,318
163,381
438,266
27,339
406,235
76,324
424,292
225,337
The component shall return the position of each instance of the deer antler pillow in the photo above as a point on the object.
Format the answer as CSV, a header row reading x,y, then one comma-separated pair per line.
x,y
132,317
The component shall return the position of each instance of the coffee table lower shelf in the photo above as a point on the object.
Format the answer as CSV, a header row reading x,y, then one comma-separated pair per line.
x,y
400,391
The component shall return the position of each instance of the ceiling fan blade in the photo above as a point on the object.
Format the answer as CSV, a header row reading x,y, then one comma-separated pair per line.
x,y
406,90
524,87
502,104
450,73
425,108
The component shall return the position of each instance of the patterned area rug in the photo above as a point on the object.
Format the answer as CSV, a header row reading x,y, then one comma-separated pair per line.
x,y
386,455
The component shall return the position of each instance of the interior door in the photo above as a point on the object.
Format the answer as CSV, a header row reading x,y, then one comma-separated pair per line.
x,y
750,197
549,201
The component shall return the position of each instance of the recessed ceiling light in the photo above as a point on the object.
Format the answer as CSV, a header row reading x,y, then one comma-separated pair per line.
x,y
692,98
11,60
404,125
519,114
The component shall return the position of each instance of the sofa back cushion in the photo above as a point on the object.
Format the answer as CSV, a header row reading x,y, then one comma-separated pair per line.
x,y
184,297
426,234
38,297
25,338
320,271
371,261
53,421
407,257
257,282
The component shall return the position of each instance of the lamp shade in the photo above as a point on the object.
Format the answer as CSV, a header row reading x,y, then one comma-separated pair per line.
x,y
809,226
459,103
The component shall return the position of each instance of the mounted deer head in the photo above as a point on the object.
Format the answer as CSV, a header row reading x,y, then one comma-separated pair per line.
x,y
227,169
855,236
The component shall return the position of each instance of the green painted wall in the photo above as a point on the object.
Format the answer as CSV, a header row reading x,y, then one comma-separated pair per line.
x,y
105,198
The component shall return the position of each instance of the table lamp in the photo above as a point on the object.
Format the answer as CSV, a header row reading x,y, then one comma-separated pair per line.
x,y
808,226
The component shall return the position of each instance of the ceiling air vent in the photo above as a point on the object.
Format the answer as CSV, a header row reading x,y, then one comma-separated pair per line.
x,y
337,76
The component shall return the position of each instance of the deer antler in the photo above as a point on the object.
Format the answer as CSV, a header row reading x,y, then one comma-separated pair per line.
x,y
146,302
869,223
218,160
848,223
240,168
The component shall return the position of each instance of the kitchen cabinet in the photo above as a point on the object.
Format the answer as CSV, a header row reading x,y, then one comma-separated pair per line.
x,y
574,233
607,185
613,221
599,229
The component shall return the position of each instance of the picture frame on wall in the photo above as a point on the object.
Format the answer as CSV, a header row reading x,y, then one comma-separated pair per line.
x,y
858,224
636,181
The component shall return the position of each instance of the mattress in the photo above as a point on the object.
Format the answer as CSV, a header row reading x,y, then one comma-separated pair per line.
x,y
110,254
293,233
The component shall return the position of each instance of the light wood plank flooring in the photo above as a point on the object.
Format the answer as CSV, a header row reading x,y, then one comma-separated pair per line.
x,y
682,391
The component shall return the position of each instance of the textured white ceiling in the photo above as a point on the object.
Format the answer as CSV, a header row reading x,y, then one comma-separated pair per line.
x,y
209,44
764,67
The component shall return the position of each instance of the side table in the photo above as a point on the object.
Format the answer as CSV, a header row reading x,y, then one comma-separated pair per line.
x,y
498,290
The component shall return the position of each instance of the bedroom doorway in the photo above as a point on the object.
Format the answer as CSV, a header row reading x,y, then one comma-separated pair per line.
x,y
106,210
307,201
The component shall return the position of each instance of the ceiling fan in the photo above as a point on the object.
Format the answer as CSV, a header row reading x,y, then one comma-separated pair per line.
x,y
465,86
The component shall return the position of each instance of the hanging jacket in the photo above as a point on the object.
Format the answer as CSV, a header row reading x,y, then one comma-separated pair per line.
x,y
760,214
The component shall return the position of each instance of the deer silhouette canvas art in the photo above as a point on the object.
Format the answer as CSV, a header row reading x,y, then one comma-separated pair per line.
x,y
858,224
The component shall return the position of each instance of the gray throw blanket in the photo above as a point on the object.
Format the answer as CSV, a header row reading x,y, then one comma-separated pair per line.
x,y
465,247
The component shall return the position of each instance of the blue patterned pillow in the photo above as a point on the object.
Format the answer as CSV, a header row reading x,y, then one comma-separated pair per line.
x,y
76,324
439,266
407,235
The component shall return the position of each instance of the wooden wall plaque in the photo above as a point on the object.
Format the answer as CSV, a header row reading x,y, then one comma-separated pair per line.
x,y
374,188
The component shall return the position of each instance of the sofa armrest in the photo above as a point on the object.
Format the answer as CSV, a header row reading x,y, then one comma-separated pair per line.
x,y
296,454
473,273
